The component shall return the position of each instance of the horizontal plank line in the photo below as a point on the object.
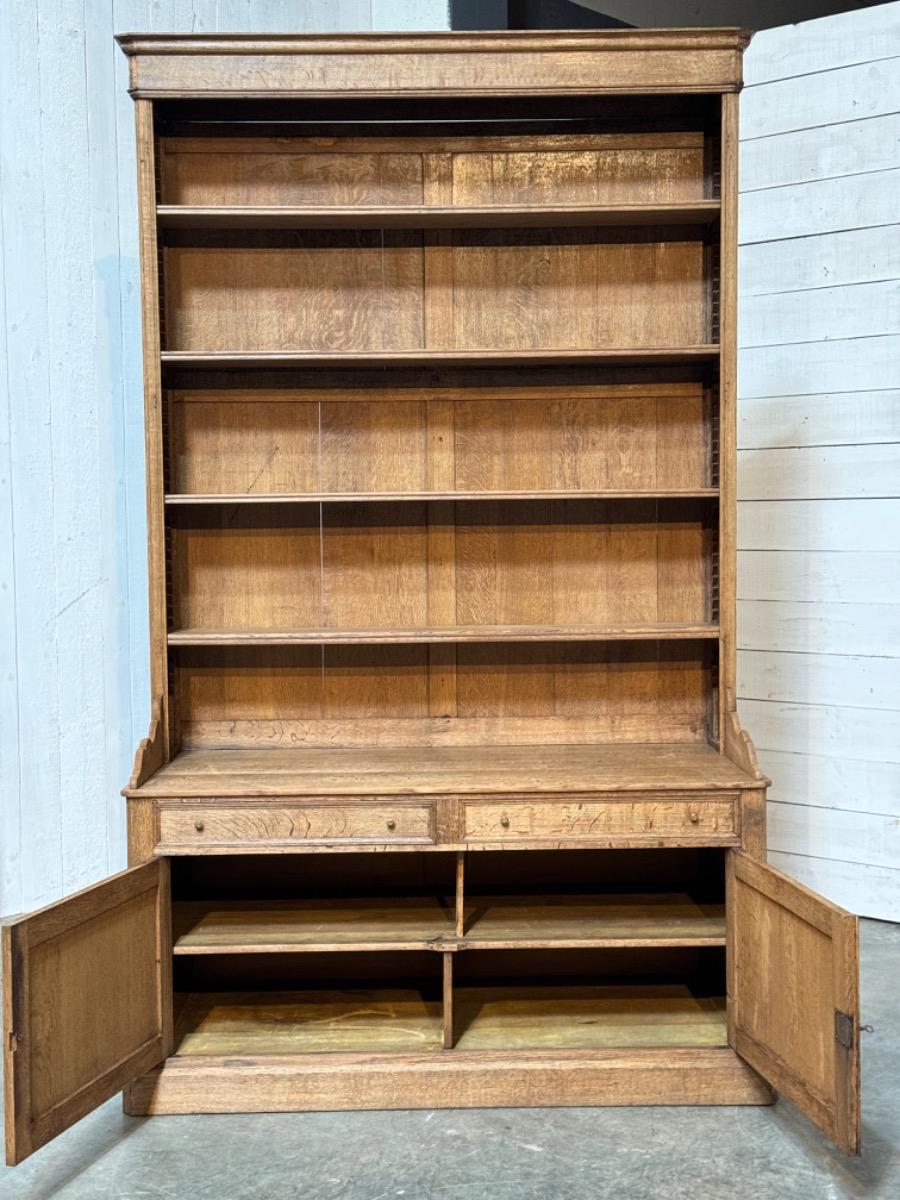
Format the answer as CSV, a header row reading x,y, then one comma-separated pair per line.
x,y
775,187
800,237
813,499
460,633
761,137
188,498
859,337
781,702
862,812
823,287
819,71
805,653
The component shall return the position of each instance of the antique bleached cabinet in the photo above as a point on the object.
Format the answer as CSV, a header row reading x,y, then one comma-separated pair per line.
x,y
445,801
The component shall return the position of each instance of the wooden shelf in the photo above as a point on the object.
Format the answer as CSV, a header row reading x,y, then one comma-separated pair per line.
x,y
391,1020
507,1017
445,770
186,498
176,216
583,922
500,1017
298,360
440,634
335,924
426,923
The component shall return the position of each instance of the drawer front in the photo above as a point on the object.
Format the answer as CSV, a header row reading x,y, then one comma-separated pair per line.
x,y
601,820
307,823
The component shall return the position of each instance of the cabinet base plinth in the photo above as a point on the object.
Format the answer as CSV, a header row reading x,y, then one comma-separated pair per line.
x,y
453,1079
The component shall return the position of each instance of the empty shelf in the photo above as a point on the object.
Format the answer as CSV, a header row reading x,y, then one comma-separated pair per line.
x,y
240,927
560,922
249,1023
559,1017
441,770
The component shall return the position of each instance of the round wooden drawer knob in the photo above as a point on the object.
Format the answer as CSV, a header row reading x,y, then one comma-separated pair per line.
x,y
391,824
199,826
504,821
694,818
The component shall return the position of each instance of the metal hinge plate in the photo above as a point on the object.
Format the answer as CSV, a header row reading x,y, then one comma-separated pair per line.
x,y
843,1028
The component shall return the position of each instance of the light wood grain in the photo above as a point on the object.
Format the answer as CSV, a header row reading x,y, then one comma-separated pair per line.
x,y
586,1018
432,216
374,1021
446,770
336,1082
793,978
87,1002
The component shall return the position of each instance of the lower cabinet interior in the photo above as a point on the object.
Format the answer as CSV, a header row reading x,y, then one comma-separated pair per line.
x,y
422,952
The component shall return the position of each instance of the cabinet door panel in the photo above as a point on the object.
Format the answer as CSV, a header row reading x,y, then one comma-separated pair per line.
x,y
793,990
86,1002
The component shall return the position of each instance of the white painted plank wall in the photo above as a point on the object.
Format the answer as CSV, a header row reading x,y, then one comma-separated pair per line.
x,y
74,688
819,448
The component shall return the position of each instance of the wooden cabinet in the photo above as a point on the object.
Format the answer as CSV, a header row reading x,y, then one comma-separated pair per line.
x,y
445,800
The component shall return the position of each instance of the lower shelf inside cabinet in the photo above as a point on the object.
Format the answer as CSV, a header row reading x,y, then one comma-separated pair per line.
x,y
406,1020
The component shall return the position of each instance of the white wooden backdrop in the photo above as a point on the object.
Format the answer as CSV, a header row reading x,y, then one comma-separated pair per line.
x,y
819,448
74,688
820,386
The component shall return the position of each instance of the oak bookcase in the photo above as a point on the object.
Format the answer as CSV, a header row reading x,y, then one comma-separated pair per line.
x,y
445,801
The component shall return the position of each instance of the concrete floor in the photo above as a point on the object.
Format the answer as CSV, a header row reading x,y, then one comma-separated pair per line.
x,y
525,1154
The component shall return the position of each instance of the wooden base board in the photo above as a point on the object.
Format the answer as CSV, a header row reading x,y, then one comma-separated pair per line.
x,y
445,1079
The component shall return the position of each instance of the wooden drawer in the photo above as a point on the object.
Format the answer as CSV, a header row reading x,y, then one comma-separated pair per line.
x,y
707,820
324,824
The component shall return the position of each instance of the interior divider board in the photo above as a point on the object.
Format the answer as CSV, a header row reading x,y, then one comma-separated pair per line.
x,y
187,498
434,216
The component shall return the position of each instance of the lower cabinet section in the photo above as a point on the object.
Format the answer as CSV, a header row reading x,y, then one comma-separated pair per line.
x,y
226,983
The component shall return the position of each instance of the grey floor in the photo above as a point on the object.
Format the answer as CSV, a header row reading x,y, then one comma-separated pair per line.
x,y
524,1154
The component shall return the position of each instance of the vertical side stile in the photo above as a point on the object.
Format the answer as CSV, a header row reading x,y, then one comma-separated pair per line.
x,y
153,402
728,409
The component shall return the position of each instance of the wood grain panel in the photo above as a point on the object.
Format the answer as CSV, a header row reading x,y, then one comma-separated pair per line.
x,y
793,985
568,289
87,1003
186,826
222,445
235,568
592,172
375,566
327,292
256,171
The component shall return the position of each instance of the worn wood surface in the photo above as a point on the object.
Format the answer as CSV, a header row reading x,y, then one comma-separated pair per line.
x,y
87,1002
446,770
540,1079
577,921
793,978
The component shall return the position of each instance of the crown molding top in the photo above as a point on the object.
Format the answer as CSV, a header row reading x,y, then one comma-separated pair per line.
x,y
439,42
496,63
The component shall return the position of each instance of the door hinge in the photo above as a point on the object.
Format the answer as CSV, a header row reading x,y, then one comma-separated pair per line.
x,y
13,1041
843,1028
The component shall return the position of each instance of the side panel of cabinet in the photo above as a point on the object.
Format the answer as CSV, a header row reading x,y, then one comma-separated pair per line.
x,y
86,1002
793,994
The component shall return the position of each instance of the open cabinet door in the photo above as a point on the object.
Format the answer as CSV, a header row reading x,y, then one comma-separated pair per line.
x,y
793,994
86,1002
